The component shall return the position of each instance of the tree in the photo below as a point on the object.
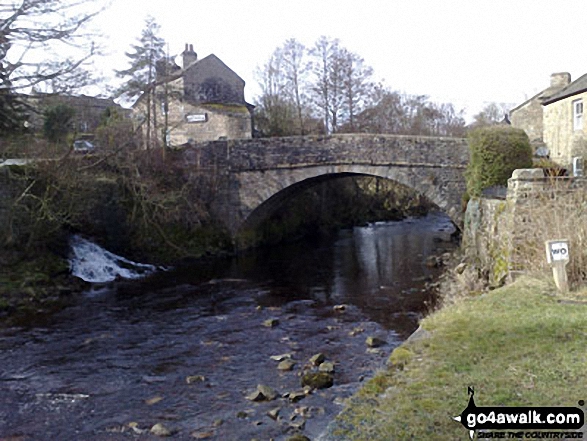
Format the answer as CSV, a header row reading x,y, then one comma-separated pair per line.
x,y
404,114
294,72
491,114
30,29
357,85
341,84
57,122
142,74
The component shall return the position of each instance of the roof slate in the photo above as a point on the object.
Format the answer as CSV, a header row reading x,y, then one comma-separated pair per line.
x,y
576,87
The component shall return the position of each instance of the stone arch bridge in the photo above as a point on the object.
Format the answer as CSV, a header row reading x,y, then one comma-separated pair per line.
x,y
254,176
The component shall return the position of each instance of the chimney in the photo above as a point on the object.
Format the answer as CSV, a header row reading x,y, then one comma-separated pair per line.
x,y
189,56
560,80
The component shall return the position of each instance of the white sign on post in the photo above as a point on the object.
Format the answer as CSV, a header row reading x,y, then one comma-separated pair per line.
x,y
557,250
557,255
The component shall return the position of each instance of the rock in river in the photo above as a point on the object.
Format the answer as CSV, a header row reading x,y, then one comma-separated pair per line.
x,y
327,366
317,380
160,430
263,393
374,342
271,323
286,365
317,359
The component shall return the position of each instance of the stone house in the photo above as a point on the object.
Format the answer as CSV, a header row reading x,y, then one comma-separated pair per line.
x,y
201,101
88,115
529,115
565,131
554,118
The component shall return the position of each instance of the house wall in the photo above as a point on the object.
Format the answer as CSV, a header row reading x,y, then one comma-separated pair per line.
x,y
529,118
563,141
210,121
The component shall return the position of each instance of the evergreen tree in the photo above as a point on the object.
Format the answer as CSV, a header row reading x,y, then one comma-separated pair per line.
x,y
141,76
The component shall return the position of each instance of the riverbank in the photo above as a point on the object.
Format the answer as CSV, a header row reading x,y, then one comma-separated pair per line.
x,y
519,345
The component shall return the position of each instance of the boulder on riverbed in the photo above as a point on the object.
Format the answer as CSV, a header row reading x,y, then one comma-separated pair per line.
x,y
375,342
318,380
263,393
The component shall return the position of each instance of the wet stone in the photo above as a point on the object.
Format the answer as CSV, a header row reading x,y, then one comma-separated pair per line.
x,y
263,393
317,359
274,413
327,366
271,323
294,397
281,357
160,430
286,365
318,380
375,342
192,379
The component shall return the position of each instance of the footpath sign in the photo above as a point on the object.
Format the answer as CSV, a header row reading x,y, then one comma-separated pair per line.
x,y
557,255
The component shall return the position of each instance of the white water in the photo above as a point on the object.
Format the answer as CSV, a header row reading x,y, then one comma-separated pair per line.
x,y
93,263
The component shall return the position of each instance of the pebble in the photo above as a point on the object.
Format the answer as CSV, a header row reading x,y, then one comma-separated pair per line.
x,y
274,413
160,430
327,366
281,357
271,323
195,379
317,359
286,365
375,342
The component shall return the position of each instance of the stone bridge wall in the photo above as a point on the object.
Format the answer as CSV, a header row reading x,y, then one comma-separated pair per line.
x,y
505,238
256,175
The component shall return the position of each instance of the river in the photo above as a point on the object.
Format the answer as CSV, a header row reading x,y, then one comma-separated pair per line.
x,y
184,348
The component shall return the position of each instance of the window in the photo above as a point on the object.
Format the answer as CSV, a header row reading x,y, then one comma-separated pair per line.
x,y
578,115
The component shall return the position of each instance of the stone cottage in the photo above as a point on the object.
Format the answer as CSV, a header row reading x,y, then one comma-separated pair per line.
x,y
201,101
529,115
554,118
565,132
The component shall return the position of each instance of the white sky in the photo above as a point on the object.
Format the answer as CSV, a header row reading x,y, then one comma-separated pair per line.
x,y
468,52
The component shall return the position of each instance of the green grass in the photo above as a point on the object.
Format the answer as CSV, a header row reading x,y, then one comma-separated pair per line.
x,y
519,345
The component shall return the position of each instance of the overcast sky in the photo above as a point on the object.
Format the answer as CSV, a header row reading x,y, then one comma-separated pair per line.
x,y
468,52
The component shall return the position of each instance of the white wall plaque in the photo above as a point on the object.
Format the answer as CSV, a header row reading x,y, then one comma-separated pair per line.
x,y
196,118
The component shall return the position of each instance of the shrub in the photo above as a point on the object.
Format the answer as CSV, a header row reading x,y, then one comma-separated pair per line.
x,y
496,151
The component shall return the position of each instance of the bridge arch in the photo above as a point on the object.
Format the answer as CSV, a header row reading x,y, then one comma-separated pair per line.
x,y
262,198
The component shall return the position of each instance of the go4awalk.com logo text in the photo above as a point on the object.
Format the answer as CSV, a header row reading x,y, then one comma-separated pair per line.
x,y
522,422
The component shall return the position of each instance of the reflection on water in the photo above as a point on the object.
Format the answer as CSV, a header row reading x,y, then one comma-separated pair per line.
x,y
115,362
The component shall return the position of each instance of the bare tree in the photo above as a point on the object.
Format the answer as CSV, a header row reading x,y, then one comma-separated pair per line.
x,y
275,113
341,84
294,72
491,114
41,42
54,27
357,85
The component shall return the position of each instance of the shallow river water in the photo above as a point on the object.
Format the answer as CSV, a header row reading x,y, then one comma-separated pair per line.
x,y
185,348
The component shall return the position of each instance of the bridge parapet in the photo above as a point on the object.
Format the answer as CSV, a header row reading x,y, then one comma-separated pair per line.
x,y
297,151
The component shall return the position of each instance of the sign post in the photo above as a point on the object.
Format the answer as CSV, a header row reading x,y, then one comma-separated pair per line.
x,y
557,255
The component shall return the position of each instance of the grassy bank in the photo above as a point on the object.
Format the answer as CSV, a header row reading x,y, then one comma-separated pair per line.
x,y
520,345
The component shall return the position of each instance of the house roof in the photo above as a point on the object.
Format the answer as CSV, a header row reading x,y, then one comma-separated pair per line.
x,y
576,87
